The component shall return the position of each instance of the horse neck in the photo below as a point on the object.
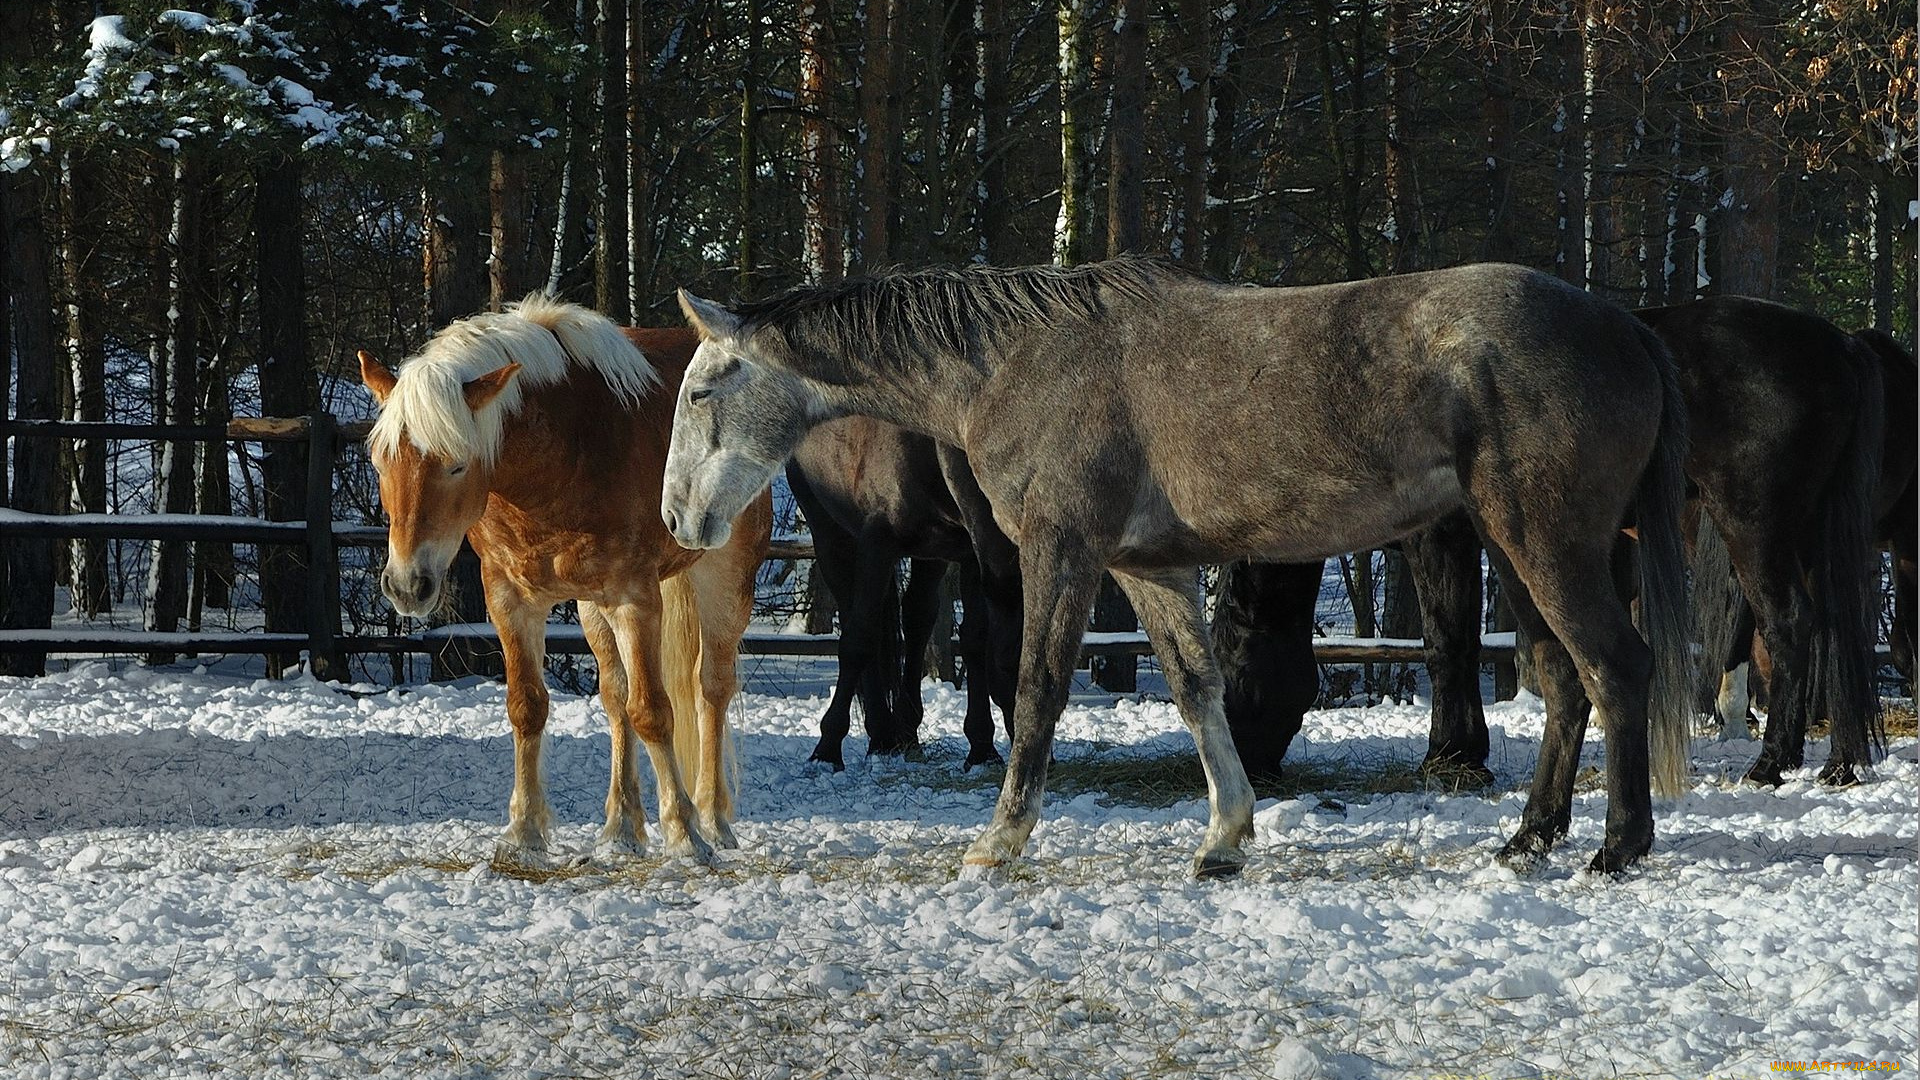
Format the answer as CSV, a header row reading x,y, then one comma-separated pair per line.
x,y
539,461
930,397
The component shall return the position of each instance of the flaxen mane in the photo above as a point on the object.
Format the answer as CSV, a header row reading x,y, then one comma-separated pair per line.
x,y
543,335
903,316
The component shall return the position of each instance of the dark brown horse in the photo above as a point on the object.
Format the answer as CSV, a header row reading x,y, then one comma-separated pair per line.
x,y
873,494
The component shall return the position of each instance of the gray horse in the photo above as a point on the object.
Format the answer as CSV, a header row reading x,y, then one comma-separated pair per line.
x,y
1130,416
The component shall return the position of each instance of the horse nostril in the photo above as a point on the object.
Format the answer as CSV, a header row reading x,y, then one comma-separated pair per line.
x,y
673,521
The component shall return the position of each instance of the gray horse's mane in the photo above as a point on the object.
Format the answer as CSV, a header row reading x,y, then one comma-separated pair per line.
x,y
903,317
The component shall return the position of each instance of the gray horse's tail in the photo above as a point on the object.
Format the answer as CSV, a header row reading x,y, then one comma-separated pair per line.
x,y
1717,605
1663,581
1839,683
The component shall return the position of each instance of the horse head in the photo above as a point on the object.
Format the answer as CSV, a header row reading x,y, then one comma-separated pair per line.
x,y
739,416
432,497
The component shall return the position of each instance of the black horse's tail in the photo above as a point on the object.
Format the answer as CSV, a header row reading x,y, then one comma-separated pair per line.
x,y
1663,580
1842,578
1717,606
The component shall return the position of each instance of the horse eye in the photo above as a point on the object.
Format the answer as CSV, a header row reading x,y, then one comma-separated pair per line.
x,y
701,394
457,470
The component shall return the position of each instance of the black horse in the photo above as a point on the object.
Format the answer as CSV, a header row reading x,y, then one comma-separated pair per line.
x,y
874,494
1727,618
1785,418
1898,504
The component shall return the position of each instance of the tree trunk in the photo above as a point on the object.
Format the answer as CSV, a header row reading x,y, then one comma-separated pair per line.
x,y
88,578
1348,163
287,387
749,146
1071,233
993,201
822,252
27,270
509,263
1747,249
639,176
567,274
1127,130
1570,156
167,573
1224,90
879,140
610,251
1889,194
213,566
1403,195
1496,111
1195,77
1604,151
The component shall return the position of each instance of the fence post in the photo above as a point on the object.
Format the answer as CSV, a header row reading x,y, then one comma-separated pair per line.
x,y
323,561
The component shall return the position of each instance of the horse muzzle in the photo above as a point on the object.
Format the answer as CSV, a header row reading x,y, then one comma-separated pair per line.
x,y
411,591
696,530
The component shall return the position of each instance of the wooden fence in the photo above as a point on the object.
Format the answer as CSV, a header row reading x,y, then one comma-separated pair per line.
x,y
322,538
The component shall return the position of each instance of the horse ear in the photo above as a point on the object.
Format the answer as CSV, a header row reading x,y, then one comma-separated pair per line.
x,y
708,318
487,387
378,379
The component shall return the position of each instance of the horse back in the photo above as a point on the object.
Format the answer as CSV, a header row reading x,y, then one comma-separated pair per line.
x,y
1353,414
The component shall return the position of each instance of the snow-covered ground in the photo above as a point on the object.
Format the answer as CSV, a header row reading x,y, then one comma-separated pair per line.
x,y
205,874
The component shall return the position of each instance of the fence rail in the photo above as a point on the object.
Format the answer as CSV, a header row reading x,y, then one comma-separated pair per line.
x,y
323,537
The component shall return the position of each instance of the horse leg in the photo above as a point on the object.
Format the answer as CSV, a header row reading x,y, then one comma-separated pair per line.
x,y
636,626
1770,575
872,621
1583,639
1445,561
1906,584
919,615
1060,576
1263,645
836,553
522,626
1905,610
999,562
1005,618
723,587
1169,606
625,833
977,655
1731,705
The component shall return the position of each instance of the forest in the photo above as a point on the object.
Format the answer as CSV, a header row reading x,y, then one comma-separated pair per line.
x,y
206,210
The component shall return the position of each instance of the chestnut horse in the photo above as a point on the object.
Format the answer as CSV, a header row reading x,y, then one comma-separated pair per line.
x,y
540,434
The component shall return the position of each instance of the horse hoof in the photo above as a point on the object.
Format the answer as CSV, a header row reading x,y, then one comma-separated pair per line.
x,y
1615,860
1839,774
988,757
828,759
721,835
688,845
1452,774
1525,853
914,752
619,848
1765,775
510,853
1218,864
992,873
